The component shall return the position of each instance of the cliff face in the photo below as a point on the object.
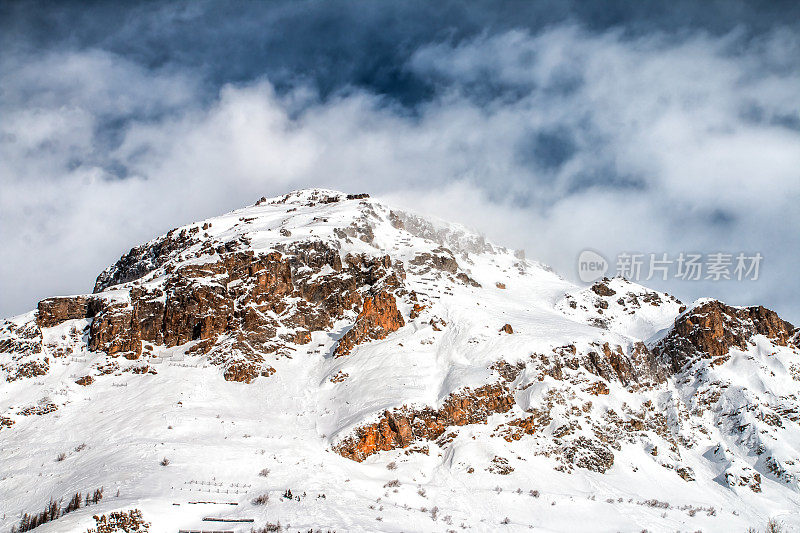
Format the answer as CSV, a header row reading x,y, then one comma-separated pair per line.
x,y
711,329
403,337
233,303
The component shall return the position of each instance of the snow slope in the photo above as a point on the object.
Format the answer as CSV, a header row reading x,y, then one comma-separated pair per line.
x,y
707,422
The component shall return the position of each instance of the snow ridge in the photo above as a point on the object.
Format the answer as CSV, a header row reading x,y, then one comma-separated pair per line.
x,y
396,373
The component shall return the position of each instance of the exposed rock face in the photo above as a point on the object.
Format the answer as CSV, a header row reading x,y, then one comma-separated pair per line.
x,y
639,365
377,319
54,311
400,428
444,261
30,369
25,339
647,365
243,307
144,259
601,288
233,304
710,330
85,381
589,454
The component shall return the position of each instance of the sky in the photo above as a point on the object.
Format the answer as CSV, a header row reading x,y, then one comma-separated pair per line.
x,y
551,126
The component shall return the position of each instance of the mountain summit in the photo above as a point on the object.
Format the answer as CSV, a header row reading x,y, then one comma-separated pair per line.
x,y
322,361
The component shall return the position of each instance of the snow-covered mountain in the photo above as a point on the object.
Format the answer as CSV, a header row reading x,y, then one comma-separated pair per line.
x,y
394,373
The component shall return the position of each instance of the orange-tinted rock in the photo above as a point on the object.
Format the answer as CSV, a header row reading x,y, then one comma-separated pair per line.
x,y
232,307
398,429
416,311
85,381
597,388
377,319
53,311
112,331
712,329
242,371
507,329
302,337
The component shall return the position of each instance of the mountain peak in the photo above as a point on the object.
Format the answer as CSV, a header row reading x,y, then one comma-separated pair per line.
x,y
320,325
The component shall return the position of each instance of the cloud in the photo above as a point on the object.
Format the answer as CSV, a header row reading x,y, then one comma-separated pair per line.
x,y
551,139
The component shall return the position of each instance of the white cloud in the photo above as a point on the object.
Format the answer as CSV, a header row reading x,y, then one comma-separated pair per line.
x,y
661,152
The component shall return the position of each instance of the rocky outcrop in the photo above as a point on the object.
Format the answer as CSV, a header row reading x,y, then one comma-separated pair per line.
x,y
378,317
142,260
232,304
54,311
28,369
710,330
403,426
633,365
443,261
601,288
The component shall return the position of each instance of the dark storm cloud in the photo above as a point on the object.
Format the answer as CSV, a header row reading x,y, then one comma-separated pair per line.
x,y
339,44
611,125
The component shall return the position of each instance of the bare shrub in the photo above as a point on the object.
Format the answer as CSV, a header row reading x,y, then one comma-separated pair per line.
x,y
131,521
392,466
264,472
656,503
60,457
534,493
392,483
268,528
261,499
773,526
164,462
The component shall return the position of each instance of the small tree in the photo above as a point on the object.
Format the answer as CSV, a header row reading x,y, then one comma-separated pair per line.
x,y
261,499
74,504
53,510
